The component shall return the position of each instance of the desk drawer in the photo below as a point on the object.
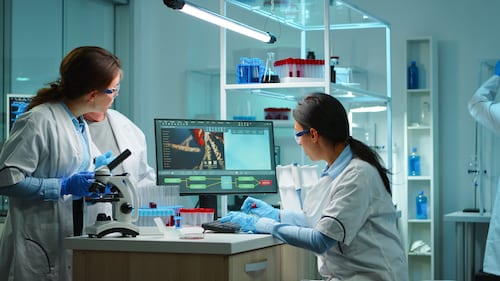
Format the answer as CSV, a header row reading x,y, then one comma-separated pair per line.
x,y
263,264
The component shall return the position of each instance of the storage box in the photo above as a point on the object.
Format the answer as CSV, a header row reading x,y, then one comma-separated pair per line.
x,y
147,215
196,216
343,75
277,113
296,67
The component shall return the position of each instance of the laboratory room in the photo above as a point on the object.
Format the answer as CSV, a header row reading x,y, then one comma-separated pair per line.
x,y
228,140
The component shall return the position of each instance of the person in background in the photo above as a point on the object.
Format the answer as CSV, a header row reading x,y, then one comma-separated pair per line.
x,y
46,163
485,110
348,218
112,133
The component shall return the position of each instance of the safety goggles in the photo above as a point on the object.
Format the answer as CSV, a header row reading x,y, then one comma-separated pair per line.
x,y
113,90
301,133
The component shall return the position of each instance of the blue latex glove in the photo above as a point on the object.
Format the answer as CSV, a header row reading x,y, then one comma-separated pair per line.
x,y
247,222
497,68
262,209
78,184
103,160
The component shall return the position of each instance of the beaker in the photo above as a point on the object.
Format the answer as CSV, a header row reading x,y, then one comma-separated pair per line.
x,y
270,75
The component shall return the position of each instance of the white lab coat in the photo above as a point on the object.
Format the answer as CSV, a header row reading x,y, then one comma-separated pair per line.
x,y
356,210
44,144
128,136
486,111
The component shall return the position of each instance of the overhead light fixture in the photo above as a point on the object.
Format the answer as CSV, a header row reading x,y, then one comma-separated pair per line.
x,y
220,20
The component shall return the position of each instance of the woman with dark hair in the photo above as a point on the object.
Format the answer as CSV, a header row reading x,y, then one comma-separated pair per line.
x,y
348,218
45,164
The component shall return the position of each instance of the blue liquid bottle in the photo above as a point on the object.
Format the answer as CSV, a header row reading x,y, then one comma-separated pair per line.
x,y
414,163
421,202
413,76
243,71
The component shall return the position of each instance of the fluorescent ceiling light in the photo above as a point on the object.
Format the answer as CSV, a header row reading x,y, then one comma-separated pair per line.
x,y
220,20
22,79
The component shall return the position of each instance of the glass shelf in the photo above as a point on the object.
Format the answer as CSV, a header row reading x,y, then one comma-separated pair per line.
x,y
307,15
295,91
419,254
419,221
419,178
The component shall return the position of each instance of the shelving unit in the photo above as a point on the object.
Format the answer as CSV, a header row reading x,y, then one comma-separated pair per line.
x,y
423,135
314,19
319,21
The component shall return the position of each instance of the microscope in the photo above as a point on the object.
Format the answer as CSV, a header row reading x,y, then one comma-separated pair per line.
x,y
121,194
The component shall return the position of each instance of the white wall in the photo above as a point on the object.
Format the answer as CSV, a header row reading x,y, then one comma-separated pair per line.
x,y
166,44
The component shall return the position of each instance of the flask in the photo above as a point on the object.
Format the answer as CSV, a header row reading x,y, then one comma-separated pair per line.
x,y
270,75
414,163
413,76
421,201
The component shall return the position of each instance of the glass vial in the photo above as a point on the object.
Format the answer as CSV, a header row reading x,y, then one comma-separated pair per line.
x,y
334,60
270,76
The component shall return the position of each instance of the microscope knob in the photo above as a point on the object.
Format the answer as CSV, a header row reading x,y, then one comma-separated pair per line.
x,y
102,217
126,208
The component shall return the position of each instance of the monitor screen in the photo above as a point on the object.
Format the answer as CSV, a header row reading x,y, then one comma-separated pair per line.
x,y
16,105
216,156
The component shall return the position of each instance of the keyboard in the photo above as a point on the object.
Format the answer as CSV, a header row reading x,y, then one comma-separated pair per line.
x,y
222,227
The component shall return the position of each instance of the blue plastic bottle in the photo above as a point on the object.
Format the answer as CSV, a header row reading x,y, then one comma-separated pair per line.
x,y
414,163
421,201
413,76
254,71
242,71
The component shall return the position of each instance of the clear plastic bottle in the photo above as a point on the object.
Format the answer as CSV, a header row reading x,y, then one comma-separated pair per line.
x,y
413,75
425,114
421,205
414,163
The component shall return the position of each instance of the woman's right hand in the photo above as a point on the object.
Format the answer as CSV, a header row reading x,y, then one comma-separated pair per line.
x,y
78,184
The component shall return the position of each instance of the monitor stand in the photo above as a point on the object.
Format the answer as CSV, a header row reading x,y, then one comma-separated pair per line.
x,y
209,201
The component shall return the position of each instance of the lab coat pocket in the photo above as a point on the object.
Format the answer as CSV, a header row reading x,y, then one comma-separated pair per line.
x,y
38,256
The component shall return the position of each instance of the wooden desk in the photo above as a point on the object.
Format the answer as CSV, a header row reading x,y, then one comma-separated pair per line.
x,y
464,232
217,257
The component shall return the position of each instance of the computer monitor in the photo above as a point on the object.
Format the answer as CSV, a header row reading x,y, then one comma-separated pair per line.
x,y
210,157
16,104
